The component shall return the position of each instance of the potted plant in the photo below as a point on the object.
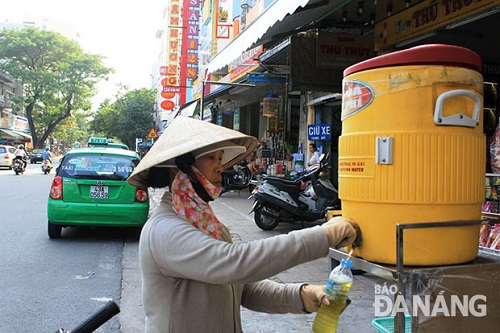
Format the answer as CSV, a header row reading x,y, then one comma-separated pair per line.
x,y
289,149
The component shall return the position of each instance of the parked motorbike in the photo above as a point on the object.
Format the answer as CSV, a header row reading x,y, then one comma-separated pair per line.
x,y
305,199
46,166
237,178
257,179
18,166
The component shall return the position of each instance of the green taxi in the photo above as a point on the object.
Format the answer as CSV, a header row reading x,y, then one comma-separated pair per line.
x,y
105,142
90,189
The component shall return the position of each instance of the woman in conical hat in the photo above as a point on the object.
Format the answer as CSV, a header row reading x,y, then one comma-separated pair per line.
x,y
194,278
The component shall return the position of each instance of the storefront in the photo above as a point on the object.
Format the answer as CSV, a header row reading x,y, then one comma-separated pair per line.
x,y
312,65
264,119
14,138
313,62
14,130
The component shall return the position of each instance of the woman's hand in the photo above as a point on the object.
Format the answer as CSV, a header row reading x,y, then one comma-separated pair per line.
x,y
313,296
342,232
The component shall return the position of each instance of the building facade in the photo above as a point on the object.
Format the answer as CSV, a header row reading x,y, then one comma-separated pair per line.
x,y
294,52
14,129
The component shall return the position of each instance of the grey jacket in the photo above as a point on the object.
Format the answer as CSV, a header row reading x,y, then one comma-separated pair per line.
x,y
194,283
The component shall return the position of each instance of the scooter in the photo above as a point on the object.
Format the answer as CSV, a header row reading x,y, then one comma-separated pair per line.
x,y
237,178
46,166
18,166
257,179
306,199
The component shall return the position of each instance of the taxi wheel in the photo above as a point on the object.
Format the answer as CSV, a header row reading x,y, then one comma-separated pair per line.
x,y
54,230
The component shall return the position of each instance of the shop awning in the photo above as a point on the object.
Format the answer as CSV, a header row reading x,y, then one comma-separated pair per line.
x,y
9,134
24,135
277,20
190,109
325,99
169,118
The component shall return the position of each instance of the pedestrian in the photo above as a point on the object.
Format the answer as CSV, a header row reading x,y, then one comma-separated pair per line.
x,y
194,278
314,159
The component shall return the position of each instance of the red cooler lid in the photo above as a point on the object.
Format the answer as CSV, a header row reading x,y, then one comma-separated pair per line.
x,y
431,54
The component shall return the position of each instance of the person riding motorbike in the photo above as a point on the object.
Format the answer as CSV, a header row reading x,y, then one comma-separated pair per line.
x,y
20,154
46,155
47,162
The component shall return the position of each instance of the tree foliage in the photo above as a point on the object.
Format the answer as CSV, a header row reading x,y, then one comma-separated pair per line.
x,y
59,79
73,129
103,122
128,118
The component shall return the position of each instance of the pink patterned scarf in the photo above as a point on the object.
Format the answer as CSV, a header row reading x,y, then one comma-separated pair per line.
x,y
188,205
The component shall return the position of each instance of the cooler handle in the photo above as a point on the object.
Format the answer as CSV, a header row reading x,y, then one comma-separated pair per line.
x,y
457,119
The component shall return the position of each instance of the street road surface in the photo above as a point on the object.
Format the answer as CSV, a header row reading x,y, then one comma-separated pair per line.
x,y
47,283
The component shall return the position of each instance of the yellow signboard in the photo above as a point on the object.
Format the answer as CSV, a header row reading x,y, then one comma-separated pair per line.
x,y
425,17
152,134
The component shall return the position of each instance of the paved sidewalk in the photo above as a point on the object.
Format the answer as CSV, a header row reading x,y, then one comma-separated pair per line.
x,y
232,209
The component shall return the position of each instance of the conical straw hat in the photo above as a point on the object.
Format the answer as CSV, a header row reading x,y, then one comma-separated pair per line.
x,y
200,137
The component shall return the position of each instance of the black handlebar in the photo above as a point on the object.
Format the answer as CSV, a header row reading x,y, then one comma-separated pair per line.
x,y
95,320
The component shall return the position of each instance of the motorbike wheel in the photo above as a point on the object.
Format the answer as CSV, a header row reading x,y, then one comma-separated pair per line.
x,y
264,220
54,230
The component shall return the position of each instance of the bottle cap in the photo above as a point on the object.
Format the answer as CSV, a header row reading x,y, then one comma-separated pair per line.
x,y
346,262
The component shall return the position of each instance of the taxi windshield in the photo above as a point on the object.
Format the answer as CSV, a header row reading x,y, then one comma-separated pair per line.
x,y
97,166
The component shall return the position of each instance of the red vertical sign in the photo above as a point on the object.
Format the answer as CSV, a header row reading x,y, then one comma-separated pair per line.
x,y
189,49
171,71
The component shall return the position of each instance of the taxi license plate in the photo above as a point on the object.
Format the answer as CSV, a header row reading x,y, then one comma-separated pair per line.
x,y
98,192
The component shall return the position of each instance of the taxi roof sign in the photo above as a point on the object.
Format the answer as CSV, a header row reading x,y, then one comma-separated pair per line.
x,y
105,142
98,141
152,134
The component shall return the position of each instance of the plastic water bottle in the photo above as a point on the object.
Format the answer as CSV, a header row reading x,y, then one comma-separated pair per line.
x,y
338,286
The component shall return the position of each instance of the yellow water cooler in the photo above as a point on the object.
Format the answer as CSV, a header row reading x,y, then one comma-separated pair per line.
x,y
412,150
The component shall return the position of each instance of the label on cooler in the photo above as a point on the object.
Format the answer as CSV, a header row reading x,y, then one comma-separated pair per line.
x,y
356,96
356,166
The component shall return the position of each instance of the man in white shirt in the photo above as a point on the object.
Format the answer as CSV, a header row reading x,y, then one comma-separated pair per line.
x,y
314,159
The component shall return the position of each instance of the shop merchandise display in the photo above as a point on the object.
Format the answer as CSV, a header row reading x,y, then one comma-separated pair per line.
x,y
495,151
272,158
490,237
490,233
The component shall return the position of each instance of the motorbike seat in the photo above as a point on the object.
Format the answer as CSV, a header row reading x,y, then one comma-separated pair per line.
x,y
290,186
